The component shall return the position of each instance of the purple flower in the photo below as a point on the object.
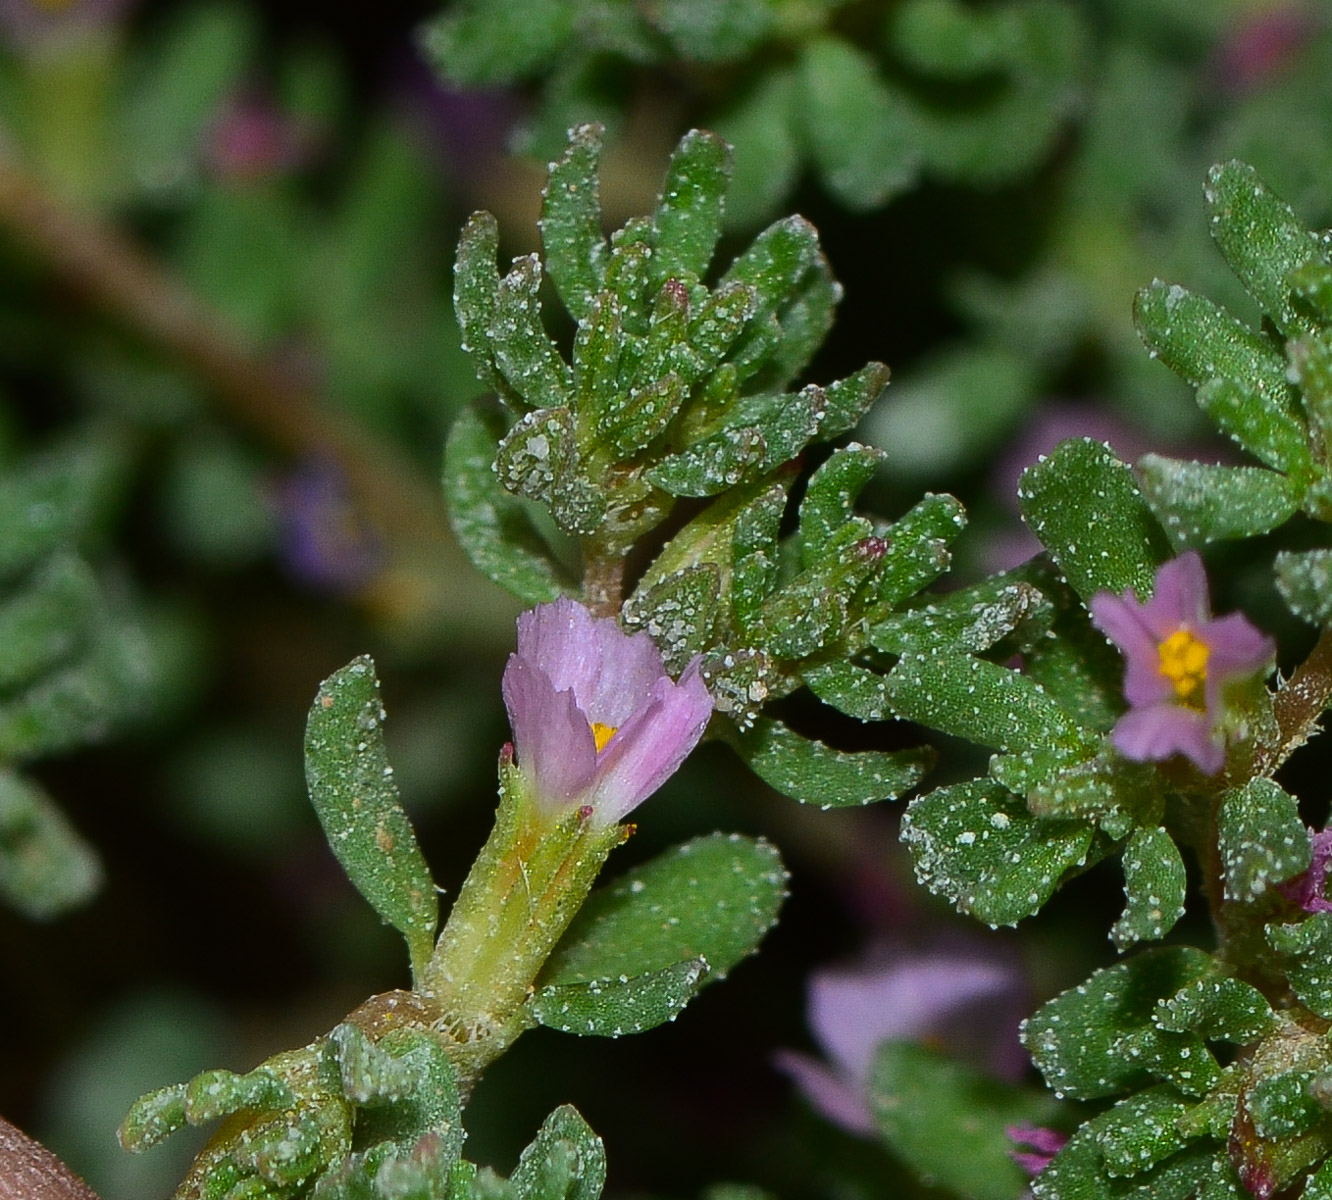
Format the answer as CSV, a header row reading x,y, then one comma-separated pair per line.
x,y
1179,665
597,722
326,542
966,1000
1043,1144
1309,888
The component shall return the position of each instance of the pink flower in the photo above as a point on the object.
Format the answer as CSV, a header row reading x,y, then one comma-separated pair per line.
x,y
966,1000
1179,665
597,722
1042,1145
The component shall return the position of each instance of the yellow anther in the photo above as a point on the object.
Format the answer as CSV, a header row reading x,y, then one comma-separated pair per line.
x,y
601,734
1184,663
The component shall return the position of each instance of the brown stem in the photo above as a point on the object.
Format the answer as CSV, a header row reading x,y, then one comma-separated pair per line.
x,y
1299,703
117,275
603,583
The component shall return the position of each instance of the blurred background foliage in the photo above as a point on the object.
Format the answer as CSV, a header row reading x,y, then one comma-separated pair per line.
x,y
228,360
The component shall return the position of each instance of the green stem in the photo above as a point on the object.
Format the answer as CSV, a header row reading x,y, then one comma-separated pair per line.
x,y
526,885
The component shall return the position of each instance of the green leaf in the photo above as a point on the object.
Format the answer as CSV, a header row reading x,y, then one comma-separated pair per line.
x,y
46,868
1304,580
523,351
1263,241
849,399
613,1007
1282,1105
710,466
538,458
775,263
1200,341
1080,1039
856,691
498,41
641,415
1085,507
918,545
1141,1131
831,494
861,132
1307,948
761,123
1266,430
970,619
575,249
491,525
475,298
802,323
814,773
1079,1172
1220,1008
985,703
45,622
153,1118
977,845
211,1095
1261,839
706,32
567,1161
356,800
947,1120
1199,503
1311,365
688,219
712,898
1154,888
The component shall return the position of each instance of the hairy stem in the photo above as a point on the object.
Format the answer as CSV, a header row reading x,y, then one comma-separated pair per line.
x,y
1299,704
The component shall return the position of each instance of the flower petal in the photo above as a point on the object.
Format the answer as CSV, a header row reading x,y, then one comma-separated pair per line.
x,y
1237,647
842,1101
552,741
1155,732
1180,599
650,746
1121,620
610,672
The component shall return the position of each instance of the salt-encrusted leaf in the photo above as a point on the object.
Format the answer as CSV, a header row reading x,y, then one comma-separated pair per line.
x,y
1219,1008
596,360
1263,241
1319,1186
567,1161
1085,507
46,621
831,495
1261,838
679,613
775,262
665,347
712,465
785,425
1307,948
948,1121
1080,1039
153,1118
356,799
491,525
814,773
802,324
46,868
523,351
1304,579
1199,503
977,845
715,326
1266,430
985,703
641,414
624,1004
627,275
711,898
917,550
1077,666
854,690
1154,888
1117,794
970,619
1281,1106
214,1094
861,132
575,249
1200,341
1313,283
538,458
1142,1130
689,211
475,296
1311,366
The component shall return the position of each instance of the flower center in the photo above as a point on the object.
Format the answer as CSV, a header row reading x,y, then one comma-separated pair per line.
x,y
601,734
1184,663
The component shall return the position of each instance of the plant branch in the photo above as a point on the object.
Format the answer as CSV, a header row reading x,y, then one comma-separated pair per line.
x,y
1299,703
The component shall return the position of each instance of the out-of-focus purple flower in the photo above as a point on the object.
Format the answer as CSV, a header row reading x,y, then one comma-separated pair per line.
x,y
250,139
1263,44
1309,889
1178,665
1042,1145
325,540
968,1001
597,722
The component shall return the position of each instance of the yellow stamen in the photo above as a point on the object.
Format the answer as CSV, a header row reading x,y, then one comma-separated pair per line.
x,y
1184,663
601,734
